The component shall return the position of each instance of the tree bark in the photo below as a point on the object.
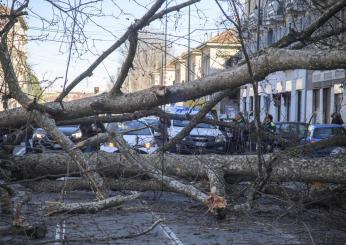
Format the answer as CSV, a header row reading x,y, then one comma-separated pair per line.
x,y
89,207
327,169
131,184
273,60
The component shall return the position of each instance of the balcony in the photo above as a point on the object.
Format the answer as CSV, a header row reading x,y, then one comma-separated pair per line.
x,y
273,13
294,6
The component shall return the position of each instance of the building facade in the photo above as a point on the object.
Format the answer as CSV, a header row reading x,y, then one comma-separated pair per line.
x,y
292,95
208,58
214,54
17,40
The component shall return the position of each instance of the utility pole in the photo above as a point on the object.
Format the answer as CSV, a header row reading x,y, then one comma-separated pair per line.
x,y
189,46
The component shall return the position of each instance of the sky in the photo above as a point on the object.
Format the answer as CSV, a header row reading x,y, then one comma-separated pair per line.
x,y
48,43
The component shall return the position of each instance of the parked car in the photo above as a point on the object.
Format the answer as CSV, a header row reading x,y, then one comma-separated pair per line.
x,y
137,134
42,141
318,132
204,138
293,132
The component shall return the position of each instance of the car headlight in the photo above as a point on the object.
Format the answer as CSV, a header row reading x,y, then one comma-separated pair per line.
x,y
220,138
77,135
110,144
147,145
39,135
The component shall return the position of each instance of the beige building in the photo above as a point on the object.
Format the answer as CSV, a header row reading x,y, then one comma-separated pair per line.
x,y
17,40
214,54
51,96
193,69
179,70
217,50
208,58
164,75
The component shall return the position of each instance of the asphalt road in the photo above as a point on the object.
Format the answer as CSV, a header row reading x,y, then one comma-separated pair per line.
x,y
184,222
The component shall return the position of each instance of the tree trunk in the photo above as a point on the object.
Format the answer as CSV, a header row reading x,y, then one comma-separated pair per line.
x,y
327,169
272,60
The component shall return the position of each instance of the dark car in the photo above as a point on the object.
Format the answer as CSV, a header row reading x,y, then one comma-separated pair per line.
x,y
291,133
203,138
42,141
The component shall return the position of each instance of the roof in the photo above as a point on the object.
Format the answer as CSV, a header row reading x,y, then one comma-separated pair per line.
x,y
326,126
226,37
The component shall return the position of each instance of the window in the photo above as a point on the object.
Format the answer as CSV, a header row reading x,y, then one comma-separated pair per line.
x,y
130,128
324,133
259,102
315,103
277,104
326,105
287,102
266,104
338,102
184,123
270,37
251,104
244,104
299,105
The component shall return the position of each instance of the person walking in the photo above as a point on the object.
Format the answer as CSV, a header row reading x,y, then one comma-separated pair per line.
x,y
337,119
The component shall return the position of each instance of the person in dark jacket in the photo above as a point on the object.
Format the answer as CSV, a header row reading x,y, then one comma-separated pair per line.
x,y
163,126
336,118
91,129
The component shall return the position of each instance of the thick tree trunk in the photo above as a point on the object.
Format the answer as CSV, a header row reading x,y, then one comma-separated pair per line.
x,y
131,184
327,169
271,61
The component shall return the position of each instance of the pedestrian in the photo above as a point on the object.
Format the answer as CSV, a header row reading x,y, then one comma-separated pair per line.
x,y
89,130
239,134
239,118
163,126
268,123
336,118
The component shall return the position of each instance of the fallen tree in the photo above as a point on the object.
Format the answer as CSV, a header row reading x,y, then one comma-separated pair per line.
x,y
326,169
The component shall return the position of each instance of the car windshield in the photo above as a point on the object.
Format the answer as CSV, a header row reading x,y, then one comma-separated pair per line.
x,y
287,128
324,133
291,128
180,123
302,130
66,129
130,126
152,122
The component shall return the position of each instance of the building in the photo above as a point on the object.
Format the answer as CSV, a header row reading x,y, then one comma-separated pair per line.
x,y
180,75
206,59
51,96
17,40
214,55
292,95
163,75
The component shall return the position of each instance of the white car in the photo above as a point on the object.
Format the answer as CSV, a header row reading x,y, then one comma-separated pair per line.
x,y
137,134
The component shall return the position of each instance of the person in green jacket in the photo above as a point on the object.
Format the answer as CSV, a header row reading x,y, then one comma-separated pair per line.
x,y
268,123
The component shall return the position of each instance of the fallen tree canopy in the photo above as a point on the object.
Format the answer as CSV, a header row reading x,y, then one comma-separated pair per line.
x,y
326,169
